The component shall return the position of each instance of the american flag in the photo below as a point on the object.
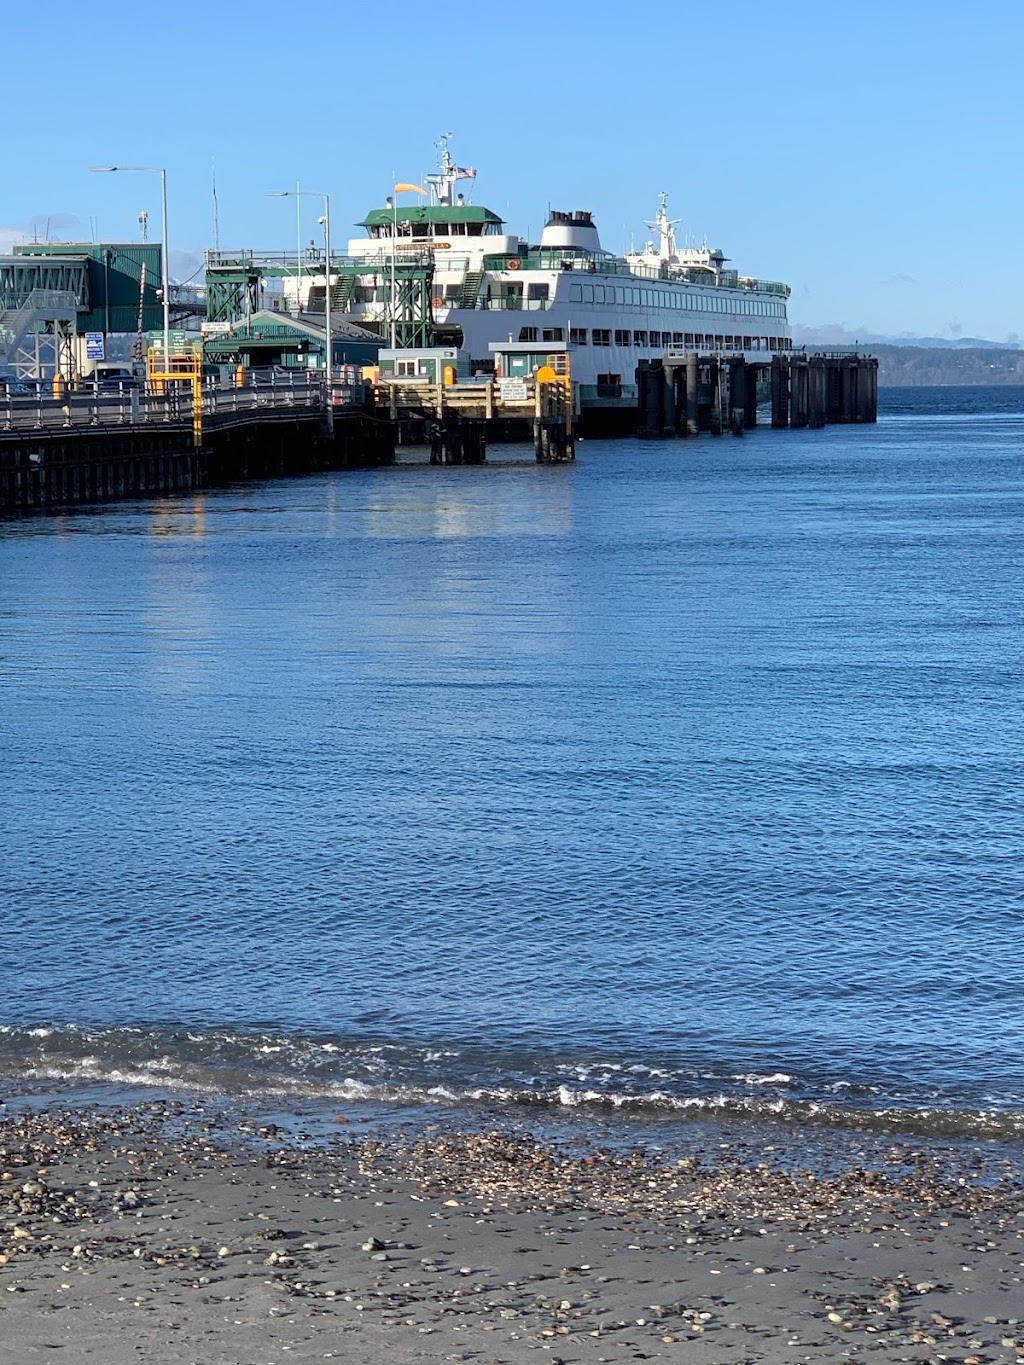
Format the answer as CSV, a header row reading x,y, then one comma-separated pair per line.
x,y
465,172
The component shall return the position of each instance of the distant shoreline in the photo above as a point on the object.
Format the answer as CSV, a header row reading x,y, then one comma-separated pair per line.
x,y
943,367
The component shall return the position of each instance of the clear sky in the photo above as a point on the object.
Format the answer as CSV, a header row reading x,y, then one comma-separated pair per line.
x,y
868,154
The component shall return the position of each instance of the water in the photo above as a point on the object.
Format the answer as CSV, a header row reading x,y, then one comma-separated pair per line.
x,y
687,779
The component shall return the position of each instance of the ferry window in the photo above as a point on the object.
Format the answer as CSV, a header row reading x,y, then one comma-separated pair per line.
x,y
553,334
719,341
527,334
620,294
602,336
575,293
746,343
688,339
599,293
588,293
639,338
537,291
698,339
577,336
677,338
621,336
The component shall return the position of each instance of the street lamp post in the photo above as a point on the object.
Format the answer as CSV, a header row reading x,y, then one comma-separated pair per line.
x,y
329,334
393,205
162,173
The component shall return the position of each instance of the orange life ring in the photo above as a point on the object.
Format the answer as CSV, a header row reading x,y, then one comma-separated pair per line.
x,y
513,263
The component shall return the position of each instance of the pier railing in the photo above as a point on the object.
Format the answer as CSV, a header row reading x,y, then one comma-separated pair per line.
x,y
222,406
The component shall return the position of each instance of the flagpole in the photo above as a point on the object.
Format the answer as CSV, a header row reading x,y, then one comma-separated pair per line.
x,y
394,248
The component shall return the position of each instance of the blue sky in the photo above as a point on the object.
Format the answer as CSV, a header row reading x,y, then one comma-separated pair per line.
x,y
868,155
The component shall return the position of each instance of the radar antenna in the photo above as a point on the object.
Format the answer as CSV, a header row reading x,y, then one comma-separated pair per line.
x,y
665,227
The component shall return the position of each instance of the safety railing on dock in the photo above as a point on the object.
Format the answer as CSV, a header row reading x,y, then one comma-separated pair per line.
x,y
129,406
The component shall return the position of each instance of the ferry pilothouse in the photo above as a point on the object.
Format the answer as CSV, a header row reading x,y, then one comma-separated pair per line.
x,y
489,285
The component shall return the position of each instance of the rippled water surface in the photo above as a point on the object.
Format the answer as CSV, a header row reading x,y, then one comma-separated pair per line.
x,y
691,774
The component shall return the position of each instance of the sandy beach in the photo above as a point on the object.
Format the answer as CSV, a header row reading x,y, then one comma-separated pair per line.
x,y
159,1233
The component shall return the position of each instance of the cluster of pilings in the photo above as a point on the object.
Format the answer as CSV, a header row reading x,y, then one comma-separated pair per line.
x,y
553,441
816,390
456,440
462,440
685,394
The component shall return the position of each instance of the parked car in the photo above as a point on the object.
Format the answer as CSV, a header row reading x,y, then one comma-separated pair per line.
x,y
116,381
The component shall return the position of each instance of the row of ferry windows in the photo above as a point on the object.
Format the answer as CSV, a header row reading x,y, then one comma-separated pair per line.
x,y
605,336
675,298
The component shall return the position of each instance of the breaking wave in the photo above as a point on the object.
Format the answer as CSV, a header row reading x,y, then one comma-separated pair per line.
x,y
286,1068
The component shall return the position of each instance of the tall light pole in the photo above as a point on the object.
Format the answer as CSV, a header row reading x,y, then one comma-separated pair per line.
x,y
162,173
329,335
393,205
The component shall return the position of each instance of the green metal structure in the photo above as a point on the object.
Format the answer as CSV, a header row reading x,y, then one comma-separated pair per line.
x,y
234,288
20,275
108,279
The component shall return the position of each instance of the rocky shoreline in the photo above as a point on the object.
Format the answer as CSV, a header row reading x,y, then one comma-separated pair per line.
x,y
166,1233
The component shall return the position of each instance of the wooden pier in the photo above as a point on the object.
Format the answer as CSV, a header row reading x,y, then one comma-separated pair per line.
x,y
89,449
686,393
453,418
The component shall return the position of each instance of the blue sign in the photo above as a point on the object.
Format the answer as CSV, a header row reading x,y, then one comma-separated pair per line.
x,y
94,348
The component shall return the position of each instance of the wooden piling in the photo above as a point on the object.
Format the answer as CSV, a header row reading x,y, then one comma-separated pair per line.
x,y
692,394
715,385
799,389
750,378
817,392
780,391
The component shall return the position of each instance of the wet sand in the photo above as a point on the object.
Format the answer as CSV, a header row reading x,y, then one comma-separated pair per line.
x,y
160,1234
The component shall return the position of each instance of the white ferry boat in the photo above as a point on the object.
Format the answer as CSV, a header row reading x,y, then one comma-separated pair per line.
x,y
488,285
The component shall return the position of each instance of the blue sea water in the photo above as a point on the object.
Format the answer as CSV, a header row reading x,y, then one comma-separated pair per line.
x,y
688,778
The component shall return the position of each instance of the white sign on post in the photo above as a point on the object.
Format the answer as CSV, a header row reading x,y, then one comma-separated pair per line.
x,y
513,390
94,347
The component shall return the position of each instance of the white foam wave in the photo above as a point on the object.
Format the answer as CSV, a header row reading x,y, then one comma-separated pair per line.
x,y
755,1078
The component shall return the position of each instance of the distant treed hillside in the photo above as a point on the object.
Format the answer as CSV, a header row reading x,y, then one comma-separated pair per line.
x,y
921,365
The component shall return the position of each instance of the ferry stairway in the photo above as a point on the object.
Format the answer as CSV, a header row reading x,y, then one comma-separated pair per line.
x,y
341,293
470,292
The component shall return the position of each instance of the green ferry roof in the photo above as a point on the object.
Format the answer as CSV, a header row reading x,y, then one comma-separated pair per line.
x,y
431,213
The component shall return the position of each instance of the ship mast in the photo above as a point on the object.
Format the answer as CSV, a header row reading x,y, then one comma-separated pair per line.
x,y
442,182
665,227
